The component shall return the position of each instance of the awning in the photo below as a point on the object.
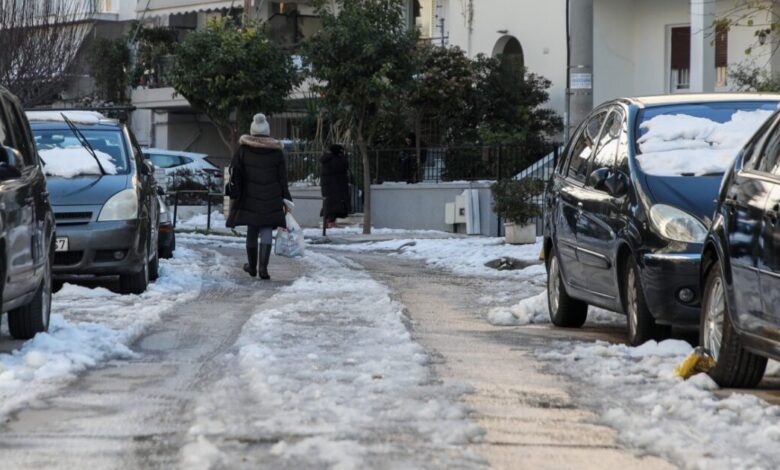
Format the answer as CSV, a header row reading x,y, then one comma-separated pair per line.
x,y
176,7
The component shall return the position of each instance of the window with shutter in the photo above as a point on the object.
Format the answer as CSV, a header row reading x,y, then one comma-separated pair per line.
x,y
681,58
721,55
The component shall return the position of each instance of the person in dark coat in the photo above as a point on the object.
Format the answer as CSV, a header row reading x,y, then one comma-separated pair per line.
x,y
259,180
334,182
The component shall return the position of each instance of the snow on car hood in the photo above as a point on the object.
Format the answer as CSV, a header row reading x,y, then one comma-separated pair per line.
x,y
679,144
74,161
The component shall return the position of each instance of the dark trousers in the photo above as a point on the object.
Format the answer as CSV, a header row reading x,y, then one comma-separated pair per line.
x,y
253,232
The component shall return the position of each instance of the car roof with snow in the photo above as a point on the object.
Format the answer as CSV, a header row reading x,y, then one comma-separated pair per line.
x,y
55,119
687,98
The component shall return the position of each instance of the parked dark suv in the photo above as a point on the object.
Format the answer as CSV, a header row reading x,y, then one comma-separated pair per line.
x,y
740,320
26,226
104,197
629,205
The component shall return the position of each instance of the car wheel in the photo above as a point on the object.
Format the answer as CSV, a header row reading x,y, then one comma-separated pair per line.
x,y
26,321
564,310
135,283
734,365
641,324
154,267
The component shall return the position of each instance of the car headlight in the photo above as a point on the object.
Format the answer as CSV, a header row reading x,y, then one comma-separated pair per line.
x,y
121,206
677,225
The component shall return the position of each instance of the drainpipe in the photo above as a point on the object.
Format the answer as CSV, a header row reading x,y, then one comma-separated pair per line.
x,y
579,19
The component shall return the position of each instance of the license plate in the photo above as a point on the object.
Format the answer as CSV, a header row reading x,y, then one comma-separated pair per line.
x,y
61,244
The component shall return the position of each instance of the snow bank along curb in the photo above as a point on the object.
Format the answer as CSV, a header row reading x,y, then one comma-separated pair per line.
x,y
90,326
461,256
327,372
636,392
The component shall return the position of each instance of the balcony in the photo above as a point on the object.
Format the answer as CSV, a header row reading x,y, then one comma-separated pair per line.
x,y
163,98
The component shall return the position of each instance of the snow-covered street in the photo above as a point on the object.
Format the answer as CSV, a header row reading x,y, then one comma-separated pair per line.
x,y
401,352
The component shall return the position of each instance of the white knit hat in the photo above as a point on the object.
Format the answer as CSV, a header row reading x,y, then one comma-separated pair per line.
x,y
260,125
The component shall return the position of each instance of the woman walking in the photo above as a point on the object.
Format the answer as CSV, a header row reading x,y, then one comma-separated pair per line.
x,y
334,181
259,179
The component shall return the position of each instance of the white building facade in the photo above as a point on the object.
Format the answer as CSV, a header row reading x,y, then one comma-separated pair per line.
x,y
640,47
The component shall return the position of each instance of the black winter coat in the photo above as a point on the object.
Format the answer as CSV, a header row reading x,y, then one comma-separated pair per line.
x,y
259,172
334,181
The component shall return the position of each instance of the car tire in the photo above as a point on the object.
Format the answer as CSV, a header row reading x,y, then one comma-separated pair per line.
x,y
27,321
167,252
735,367
135,283
154,267
641,323
564,311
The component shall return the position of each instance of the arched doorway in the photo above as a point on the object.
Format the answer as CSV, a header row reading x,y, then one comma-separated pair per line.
x,y
508,47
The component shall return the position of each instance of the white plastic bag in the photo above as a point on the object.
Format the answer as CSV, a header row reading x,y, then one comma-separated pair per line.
x,y
289,241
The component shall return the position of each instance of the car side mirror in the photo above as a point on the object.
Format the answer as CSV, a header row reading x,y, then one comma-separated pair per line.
x,y
598,177
8,161
616,184
147,168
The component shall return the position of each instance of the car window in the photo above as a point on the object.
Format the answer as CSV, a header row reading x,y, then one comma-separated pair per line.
x,y
5,133
583,147
164,161
696,139
606,150
767,160
64,156
621,161
20,135
185,160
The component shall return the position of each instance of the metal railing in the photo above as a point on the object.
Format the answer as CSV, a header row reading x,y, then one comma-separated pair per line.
x,y
175,197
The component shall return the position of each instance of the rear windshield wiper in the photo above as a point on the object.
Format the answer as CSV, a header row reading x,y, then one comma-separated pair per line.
x,y
84,142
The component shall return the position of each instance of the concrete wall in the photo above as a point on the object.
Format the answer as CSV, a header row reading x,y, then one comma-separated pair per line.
x,y
421,206
307,205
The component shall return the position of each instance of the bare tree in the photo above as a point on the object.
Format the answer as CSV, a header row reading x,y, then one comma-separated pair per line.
x,y
40,40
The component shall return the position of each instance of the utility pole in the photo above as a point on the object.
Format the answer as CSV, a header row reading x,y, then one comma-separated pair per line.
x,y
579,21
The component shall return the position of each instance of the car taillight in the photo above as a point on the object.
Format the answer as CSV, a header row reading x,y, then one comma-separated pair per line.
x,y
214,173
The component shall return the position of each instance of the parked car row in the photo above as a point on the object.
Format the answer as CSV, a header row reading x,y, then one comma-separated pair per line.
x,y
76,198
640,220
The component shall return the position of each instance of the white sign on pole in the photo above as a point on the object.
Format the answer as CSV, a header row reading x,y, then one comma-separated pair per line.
x,y
581,81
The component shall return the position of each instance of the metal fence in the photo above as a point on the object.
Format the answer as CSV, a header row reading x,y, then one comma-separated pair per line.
x,y
438,164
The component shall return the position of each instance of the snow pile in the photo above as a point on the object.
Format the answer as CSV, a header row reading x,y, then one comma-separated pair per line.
x,y
199,221
91,326
674,144
533,310
636,392
530,310
327,371
461,256
76,117
74,161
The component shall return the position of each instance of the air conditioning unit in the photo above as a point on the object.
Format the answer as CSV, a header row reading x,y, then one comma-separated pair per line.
x,y
465,210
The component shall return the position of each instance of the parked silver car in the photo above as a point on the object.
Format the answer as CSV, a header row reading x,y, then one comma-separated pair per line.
x,y
104,197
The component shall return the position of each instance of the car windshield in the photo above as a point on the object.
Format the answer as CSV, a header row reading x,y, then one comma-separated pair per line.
x,y
65,157
696,139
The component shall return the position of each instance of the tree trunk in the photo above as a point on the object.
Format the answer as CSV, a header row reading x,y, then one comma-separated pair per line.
x,y
417,128
366,179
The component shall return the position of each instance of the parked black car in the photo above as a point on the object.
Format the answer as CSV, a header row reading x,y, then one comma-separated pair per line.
x,y
740,321
26,226
104,197
630,201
